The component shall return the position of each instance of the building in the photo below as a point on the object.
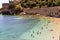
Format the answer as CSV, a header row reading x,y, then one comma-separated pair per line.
x,y
5,5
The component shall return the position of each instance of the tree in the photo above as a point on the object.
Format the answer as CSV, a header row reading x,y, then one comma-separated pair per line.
x,y
51,3
11,6
28,3
25,5
58,3
18,8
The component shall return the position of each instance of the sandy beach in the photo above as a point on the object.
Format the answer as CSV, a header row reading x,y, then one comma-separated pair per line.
x,y
47,29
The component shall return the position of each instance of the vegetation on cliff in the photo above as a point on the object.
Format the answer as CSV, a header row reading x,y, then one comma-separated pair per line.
x,y
38,3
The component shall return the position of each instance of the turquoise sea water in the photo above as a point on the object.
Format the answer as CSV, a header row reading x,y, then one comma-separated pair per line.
x,y
12,27
22,28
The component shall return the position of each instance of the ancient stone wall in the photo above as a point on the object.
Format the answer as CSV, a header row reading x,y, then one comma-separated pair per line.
x,y
51,11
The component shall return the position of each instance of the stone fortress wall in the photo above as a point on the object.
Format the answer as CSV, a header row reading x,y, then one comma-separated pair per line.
x,y
50,11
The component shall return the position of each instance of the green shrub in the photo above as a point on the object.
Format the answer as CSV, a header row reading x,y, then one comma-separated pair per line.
x,y
58,3
24,5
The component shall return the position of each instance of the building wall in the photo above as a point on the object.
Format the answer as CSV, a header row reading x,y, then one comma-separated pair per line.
x,y
5,5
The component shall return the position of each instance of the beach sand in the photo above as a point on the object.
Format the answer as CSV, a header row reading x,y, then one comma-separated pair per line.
x,y
48,28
